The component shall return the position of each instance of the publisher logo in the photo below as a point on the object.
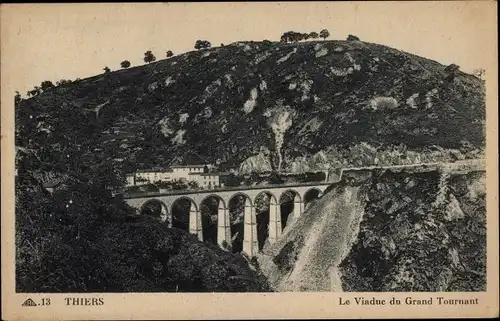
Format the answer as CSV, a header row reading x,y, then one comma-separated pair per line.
x,y
29,303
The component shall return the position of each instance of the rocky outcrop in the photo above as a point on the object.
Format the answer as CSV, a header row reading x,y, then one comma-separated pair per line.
x,y
422,231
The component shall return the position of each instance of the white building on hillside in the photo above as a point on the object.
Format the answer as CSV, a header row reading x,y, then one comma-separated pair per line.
x,y
177,172
182,172
206,180
148,176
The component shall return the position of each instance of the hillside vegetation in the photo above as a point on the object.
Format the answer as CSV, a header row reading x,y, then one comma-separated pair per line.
x,y
263,104
80,239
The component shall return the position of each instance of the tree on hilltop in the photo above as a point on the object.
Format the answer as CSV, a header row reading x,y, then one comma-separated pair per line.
x,y
313,35
47,84
324,34
106,69
291,36
169,53
149,57
125,64
352,38
202,44
63,82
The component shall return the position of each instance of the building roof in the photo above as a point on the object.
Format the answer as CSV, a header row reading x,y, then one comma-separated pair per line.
x,y
211,174
154,170
187,166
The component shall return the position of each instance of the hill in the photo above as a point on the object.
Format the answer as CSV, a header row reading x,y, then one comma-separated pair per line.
x,y
264,104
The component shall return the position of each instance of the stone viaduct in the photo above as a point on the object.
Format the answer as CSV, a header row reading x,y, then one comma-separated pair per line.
x,y
304,193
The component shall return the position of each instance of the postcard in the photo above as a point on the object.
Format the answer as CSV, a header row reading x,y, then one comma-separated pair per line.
x,y
249,160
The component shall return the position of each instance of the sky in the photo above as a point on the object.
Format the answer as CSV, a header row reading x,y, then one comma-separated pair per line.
x,y
69,41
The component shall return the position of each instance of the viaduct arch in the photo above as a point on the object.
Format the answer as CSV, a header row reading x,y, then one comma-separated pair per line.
x,y
298,195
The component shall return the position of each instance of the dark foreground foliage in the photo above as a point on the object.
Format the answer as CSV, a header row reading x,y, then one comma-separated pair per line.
x,y
91,245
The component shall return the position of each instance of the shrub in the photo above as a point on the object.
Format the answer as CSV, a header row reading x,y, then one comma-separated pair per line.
x,y
133,189
352,38
149,57
163,185
286,37
47,84
177,184
63,82
324,34
312,177
106,70
275,178
169,53
254,177
292,36
193,184
233,180
125,64
149,188
202,44
313,35
362,154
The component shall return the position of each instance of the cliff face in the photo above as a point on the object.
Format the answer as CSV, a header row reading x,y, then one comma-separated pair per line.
x,y
235,103
387,231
